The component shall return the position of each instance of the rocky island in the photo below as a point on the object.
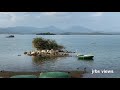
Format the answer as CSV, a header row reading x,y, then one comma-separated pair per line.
x,y
48,33
47,48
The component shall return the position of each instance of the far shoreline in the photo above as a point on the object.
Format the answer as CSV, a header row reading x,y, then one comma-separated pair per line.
x,y
54,35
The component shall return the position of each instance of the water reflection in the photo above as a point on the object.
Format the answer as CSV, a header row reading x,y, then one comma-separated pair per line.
x,y
42,60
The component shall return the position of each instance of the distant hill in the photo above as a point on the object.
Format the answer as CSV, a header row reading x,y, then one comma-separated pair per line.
x,y
29,30
74,30
92,33
51,29
79,29
34,30
18,30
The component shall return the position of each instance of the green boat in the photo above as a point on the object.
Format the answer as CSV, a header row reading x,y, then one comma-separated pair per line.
x,y
24,76
54,75
85,57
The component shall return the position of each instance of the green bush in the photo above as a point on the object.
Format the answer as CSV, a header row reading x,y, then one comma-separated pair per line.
x,y
41,43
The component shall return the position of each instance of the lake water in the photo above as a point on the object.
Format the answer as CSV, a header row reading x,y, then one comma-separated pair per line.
x,y
105,48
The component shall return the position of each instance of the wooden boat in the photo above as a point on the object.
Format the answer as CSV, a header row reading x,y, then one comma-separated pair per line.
x,y
86,57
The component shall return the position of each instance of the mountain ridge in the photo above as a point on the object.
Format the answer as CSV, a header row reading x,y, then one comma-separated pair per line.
x,y
34,30
75,30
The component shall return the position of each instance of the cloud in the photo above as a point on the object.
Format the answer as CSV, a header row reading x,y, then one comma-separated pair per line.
x,y
7,16
97,14
41,19
54,13
13,17
7,19
49,13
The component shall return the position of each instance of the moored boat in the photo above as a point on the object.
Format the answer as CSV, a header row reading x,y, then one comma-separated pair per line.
x,y
86,57
11,36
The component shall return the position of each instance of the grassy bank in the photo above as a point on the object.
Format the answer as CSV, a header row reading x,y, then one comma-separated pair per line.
x,y
8,74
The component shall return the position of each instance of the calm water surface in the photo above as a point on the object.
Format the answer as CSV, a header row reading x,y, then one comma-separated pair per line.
x,y
105,48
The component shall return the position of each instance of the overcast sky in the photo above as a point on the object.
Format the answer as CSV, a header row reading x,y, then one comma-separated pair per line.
x,y
104,21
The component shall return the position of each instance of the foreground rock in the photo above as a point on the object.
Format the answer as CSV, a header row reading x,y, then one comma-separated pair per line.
x,y
45,53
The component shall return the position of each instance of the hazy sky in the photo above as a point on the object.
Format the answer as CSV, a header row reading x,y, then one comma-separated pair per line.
x,y
93,20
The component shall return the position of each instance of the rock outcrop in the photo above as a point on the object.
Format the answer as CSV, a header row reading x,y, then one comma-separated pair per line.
x,y
48,53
